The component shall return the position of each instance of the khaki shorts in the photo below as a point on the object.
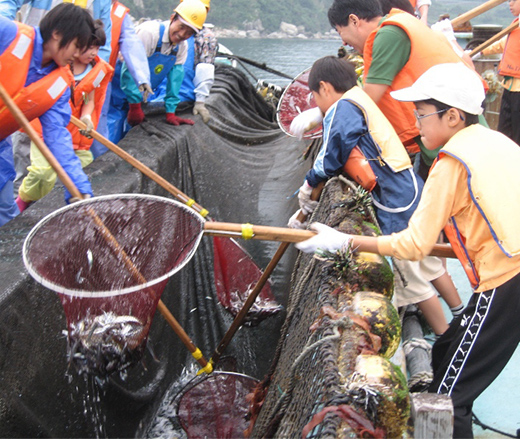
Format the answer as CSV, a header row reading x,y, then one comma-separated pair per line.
x,y
417,276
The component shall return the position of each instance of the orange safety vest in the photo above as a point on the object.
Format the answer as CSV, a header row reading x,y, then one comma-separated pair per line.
x,y
510,63
428,48
36,98
117,15
97,79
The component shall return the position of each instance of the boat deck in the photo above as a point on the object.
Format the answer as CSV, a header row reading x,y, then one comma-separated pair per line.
x,y
496,407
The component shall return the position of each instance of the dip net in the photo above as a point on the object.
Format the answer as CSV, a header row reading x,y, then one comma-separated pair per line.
x,y
295,99
109,259
216,406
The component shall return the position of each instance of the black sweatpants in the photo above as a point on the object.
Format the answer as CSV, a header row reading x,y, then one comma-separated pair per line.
x,y
475,349
509,119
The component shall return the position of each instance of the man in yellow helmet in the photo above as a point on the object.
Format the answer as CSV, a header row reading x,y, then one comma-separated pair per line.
x,y
166,48
199,69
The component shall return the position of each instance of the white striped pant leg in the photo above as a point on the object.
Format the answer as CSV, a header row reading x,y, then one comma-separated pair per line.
x,y
476,348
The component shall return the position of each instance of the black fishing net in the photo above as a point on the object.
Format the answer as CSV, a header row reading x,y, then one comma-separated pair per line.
x,y
240,167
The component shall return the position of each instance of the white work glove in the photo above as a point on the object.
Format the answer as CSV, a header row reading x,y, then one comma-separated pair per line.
x,y
200,109
446,28
87,120
75,199
294,223
326,239
477,56
304,198
306,121
146,90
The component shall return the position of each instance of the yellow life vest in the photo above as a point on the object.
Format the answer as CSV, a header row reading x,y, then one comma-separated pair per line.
x,y
493,181
390,146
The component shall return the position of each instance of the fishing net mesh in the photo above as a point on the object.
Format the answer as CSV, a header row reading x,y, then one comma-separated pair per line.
x,y
109,259
216,406
240,167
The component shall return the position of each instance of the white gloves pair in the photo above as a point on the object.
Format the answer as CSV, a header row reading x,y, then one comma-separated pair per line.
x,y
146,90
306,121
326,239
200,109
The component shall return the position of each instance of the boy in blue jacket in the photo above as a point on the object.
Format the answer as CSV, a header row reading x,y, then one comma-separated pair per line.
x,y
353,125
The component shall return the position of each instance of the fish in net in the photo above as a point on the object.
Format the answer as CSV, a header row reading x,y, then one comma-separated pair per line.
x,y
109,258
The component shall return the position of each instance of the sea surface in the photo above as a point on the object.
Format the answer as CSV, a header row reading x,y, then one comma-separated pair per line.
x,y
288,56
498,407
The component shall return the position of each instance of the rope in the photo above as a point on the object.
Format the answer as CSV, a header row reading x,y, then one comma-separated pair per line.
x,y
283,401
420,381
411,344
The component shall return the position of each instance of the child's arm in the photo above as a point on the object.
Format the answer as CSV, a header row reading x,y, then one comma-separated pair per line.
x,y
55,134
497,47
86,113
342,128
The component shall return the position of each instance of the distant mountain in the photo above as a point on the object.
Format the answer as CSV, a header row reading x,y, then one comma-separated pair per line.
x,y
312,14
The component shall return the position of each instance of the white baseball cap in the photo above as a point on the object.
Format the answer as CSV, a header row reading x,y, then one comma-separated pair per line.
x,y
453,84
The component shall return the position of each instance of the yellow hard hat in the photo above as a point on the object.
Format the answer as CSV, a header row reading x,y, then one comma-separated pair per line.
x,y
193,13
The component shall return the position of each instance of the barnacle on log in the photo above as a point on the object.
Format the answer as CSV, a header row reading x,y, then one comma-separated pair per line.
x,y
380,375
382,318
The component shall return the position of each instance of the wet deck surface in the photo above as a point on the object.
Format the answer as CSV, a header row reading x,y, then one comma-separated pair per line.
x,y
499,406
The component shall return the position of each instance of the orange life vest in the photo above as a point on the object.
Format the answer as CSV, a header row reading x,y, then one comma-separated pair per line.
x,y
117,15
510,63
428,48
36,98
97,79
414,3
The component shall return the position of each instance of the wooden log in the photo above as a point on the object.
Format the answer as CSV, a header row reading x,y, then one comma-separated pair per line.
x,y
432,415
417,351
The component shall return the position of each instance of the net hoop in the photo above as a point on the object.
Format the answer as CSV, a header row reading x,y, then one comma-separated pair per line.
x,y
292,102
102,294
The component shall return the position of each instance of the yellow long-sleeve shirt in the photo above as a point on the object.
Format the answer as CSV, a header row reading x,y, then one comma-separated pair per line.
x,y
445,195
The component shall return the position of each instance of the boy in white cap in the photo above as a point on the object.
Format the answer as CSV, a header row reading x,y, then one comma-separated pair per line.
x,y
472,192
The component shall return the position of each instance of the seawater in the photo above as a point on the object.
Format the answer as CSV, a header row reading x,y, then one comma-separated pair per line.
x,y
289,56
